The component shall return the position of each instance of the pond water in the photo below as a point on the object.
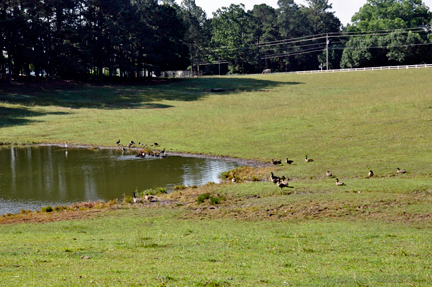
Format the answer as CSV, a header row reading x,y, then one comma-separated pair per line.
x,y
37,176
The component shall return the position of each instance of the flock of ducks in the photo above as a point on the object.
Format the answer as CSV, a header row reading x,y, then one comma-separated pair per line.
x,y
145,151
283,182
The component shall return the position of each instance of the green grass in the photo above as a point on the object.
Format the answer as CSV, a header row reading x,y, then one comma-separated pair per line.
x,y
160,249
370,232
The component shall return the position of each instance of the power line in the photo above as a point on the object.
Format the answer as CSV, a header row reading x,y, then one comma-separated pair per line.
x,y
342,48
316,38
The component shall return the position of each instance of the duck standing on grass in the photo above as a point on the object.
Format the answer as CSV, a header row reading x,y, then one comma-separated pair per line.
x,y
282,184
274,178
338,183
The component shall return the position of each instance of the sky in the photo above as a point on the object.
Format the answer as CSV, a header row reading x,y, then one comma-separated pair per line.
x,y
344,9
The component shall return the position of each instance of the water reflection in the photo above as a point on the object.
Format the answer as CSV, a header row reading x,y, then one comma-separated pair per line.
x,y
33,177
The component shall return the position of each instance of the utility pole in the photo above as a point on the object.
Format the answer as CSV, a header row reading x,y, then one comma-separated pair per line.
x,y
327,44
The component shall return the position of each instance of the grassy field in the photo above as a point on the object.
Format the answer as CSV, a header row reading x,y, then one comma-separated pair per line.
x,y
369,232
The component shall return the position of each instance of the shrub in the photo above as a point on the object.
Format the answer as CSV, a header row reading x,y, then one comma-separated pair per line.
x,y
47,209
60,208
224,175
214,200
203,197
155,191
179,187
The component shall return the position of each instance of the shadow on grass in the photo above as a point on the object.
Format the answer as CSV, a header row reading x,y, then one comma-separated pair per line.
x,y
17,116
77,95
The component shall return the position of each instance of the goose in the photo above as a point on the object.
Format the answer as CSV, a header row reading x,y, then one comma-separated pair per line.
x,y
118,142
328,173
371,174
289,161
338,182
274,178
308,159
124,149
150,198
400,170
276,162
136,199
234,179
282,184
156,144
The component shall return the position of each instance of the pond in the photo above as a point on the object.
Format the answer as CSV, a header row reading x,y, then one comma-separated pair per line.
x,y
37,176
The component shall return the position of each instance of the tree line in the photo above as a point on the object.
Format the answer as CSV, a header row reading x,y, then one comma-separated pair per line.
x,y
127,40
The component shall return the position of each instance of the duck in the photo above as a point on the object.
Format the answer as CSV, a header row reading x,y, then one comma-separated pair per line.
x,y
338,182
276,162
288,161
141,154
136,199
282,184
308,159
400,170
328,173
370,174
274,178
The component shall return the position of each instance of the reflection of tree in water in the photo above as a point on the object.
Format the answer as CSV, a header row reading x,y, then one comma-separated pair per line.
x,y
49,174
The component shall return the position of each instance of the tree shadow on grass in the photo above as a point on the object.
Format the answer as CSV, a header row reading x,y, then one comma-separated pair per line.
x,y
148,95
18,116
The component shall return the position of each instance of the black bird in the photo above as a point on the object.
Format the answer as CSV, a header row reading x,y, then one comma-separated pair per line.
x,y
118,142
276,162
156,144
288,161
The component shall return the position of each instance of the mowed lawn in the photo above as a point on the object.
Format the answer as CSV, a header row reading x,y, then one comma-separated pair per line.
x,y
369,232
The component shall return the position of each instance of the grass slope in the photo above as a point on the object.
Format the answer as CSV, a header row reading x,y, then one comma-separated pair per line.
x,y
370,232
150,247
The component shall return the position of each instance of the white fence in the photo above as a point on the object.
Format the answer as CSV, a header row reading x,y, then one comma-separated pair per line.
x,y
366,69
190,74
